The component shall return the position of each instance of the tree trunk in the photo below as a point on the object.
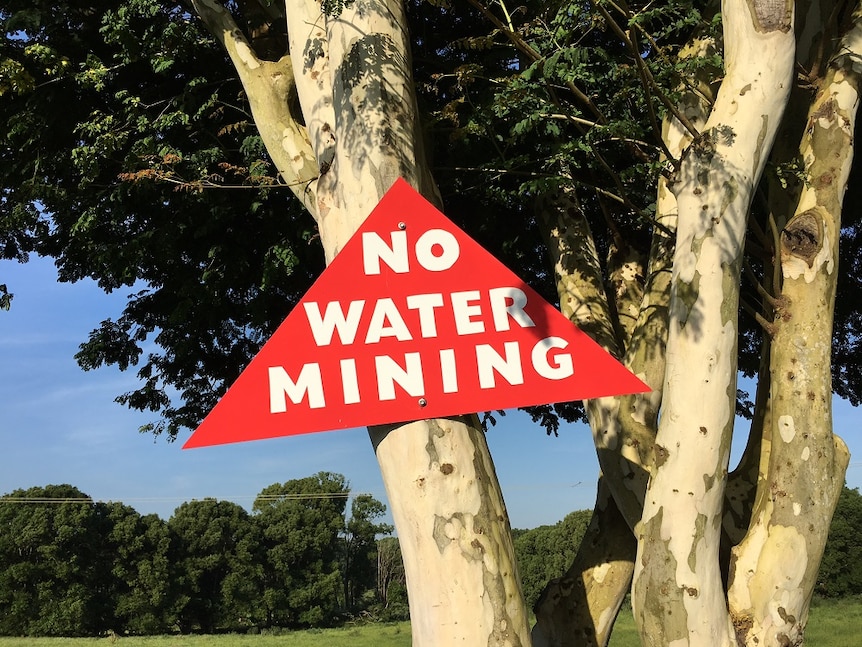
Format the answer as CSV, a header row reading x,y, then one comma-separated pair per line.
x,y
352,76
774,569
581,607
678,593
454,531
339,118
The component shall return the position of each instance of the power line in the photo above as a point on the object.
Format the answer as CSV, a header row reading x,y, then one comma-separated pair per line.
x,y
256,497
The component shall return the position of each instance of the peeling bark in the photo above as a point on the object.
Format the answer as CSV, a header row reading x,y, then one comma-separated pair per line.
x,y
678,593
351,77
775,567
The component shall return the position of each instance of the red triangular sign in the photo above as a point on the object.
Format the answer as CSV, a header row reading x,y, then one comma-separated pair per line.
x,y
413,319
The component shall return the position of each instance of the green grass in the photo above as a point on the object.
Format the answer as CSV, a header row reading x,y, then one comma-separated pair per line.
x,y
370,635
831,624
835,624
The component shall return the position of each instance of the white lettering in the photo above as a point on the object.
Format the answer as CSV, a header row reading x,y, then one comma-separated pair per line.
x,y
333,319
445,241
349,381
489,361
449,370
509,302
562,368
463,312
375,249
389,372
386,311
309,382
425,304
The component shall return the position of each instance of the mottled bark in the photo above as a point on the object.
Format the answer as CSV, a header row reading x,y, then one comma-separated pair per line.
x,y
580,608
678,593
270,87
584,602
774,569
454,533
584,300
350,76
338,116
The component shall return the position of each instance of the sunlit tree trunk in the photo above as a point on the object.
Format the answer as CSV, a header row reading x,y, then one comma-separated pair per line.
x,y
351,76
581,607
774,569
338,116
678,594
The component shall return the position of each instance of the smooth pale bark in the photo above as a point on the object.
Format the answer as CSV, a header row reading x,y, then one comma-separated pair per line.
x,y
583,300
454,533
269,86
455,540
678,595
580,608
774,569
351,75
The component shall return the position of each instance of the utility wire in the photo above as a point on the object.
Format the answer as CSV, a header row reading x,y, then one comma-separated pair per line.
x,y
256,497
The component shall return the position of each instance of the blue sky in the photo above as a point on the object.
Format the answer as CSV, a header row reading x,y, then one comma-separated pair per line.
x,y
59,424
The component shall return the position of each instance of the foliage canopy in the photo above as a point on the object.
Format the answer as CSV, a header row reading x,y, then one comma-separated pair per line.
x,y
128,154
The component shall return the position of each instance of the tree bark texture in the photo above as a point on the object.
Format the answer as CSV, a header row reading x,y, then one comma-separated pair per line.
x,y
351,76
678,594
269,86
581,607
338,116
774,569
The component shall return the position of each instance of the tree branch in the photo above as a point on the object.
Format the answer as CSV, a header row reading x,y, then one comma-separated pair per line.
x,y
269,86
648,82
525,48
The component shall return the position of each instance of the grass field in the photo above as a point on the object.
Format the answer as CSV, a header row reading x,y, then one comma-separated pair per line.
x,y
832,624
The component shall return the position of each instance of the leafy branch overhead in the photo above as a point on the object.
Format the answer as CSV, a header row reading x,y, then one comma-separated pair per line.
x,y
156,129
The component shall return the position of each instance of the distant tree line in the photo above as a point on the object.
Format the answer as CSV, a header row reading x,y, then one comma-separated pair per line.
x,y
545,552
70,566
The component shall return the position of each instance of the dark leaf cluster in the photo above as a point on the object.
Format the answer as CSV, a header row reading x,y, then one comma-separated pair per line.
x,y
127,156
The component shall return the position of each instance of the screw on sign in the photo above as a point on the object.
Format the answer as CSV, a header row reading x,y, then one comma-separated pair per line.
x,y
432,325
